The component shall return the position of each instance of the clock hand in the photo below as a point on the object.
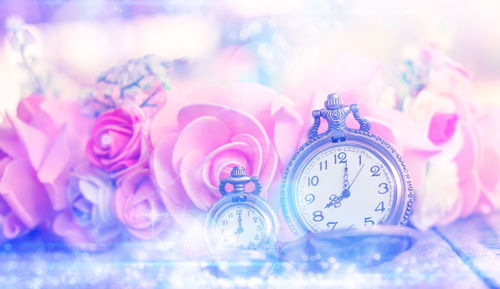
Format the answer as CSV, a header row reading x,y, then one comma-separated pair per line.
x,y
345,192
336,200
357,174
240,227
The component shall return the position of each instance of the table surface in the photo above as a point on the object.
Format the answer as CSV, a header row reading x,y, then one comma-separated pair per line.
x,y
465,254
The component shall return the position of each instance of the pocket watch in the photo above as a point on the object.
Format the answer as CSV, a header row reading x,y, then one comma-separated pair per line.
x,y
344,178
240,219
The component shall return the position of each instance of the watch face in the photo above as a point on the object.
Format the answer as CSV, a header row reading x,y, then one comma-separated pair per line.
x,y
239,226
345,186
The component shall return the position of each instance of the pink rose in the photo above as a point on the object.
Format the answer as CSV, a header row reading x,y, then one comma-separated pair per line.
x,y
137,204
53,132
23,205
203,132
89,223
34,147
457,179
117,141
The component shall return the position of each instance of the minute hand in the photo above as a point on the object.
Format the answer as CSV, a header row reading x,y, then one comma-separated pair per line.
x,y
355,177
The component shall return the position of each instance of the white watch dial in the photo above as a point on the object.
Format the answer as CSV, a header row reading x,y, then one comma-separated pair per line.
x,y
239,226
345,187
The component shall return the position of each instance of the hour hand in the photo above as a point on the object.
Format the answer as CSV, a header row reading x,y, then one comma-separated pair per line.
x,y
335,201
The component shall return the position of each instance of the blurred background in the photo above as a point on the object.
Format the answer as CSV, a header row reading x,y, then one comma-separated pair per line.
x,y
270,42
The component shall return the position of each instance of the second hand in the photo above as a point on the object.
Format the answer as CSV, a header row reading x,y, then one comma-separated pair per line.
x,y
355,177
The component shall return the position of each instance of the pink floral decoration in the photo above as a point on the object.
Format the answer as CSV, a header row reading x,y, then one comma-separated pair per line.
x,y
442,127
34,147
137,204
452,185
203,132
118,142
89,223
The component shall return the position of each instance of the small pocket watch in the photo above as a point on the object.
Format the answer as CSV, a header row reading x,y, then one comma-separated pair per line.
x,y
240,219
344,179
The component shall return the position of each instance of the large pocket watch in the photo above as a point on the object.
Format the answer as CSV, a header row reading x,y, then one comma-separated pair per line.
x,y
241,220
344,178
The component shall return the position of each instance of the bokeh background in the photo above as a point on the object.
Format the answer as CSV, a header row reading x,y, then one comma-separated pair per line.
x,y
271,42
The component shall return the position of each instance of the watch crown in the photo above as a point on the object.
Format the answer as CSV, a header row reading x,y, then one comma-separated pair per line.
x,y
239,179
238,172
333,102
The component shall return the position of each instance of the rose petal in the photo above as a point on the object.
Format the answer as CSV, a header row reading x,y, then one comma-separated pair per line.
x,y
28,107
442,127
191,112
26,199
287,133
53,172
255,153
13,227
223,166
190,174
204,134
74,235
267,174
134,202
241,123
9,141
35,142
166,178
57,191
56,160
231,154
117,143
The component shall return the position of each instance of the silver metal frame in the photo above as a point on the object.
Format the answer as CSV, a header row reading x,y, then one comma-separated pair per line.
x,y
338,135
